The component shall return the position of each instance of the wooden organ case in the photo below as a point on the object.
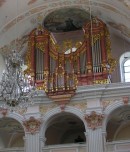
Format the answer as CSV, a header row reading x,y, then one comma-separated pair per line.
x,y
59,73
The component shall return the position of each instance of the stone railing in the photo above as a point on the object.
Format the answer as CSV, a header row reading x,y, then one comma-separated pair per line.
x,y
118,146
66,148
17,149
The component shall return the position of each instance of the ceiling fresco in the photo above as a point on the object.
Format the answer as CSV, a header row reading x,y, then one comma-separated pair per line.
x,y
67,19
116,14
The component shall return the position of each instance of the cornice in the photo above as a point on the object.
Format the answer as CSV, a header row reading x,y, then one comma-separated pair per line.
x,y
99,92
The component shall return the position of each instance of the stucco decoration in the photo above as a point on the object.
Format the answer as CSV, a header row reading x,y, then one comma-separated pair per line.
x,y
45,108
18,43
82,106
31,2
67,19
3,112
32,125
22,111
121,27
2,2
106,103
94,120
126,100
126,3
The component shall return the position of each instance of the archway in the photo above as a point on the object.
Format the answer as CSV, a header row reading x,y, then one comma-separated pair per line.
x,y
11,133
118,124
64,128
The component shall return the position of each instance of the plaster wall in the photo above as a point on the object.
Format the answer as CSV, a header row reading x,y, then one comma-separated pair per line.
x,y
2,66
118,47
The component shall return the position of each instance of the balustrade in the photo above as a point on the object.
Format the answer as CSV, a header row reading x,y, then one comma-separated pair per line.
x,y
118,146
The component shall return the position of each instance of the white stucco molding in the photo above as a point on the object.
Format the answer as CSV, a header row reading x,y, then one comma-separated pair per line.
x,y
55,111
109,110
17,117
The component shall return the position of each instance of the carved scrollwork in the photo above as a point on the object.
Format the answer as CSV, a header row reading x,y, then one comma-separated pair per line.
x,y
32,125
3,111
40,46
94,120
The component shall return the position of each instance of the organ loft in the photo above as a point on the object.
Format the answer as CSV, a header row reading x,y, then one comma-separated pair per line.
x,y
59,70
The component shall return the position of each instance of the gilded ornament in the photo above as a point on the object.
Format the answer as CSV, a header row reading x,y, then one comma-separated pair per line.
x,y
94,120
81,106
32,125
104,81
40,46
46,108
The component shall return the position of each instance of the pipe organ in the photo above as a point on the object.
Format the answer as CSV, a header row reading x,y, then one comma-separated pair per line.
x,y
58,71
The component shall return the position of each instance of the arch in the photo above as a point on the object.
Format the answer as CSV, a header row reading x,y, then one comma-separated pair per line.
x,y
116,116
108,112
120,129
12,128
49,115
17,117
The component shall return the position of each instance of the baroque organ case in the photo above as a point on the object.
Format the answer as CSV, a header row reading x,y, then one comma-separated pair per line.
x,y
59,70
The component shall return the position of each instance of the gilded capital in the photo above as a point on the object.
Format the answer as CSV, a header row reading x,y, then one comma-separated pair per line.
x,y
94,120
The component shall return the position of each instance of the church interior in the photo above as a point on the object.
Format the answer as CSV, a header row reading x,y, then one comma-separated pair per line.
x,y
65,76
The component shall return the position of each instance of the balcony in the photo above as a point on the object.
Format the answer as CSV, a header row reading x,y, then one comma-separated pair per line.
x,y
118,146
16,149
79,147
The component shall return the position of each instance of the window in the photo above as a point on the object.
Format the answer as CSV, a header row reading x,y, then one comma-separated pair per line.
x,y
125,67
71,50
127,70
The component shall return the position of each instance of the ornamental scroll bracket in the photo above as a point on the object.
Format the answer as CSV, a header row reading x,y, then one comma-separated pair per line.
x,y
3,111
94,120
32,125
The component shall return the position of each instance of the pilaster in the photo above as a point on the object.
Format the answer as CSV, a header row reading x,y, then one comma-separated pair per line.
x,y
95,136
95,140
32,142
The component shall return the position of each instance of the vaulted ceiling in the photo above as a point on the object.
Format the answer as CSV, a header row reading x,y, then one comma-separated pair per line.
x,y
19,17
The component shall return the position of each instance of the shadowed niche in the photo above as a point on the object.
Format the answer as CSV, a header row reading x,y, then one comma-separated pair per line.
x,y
67,19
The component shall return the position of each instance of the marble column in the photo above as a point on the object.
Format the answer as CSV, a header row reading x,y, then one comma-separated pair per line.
x,y
95,140
42,143
32,142
95,134
86,135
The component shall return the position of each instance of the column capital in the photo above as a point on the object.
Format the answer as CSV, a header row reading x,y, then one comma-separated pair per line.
x,y
94,120
32,125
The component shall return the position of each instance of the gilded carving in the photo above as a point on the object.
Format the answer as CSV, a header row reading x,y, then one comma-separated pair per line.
x,y
81,106
21,111
125,100
40,46
94,38
3,111
94,120
106,103
32,125
111,61
46,108
31,2
103,81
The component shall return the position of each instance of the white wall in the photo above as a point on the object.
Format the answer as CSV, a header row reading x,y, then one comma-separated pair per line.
x,y
2,65
118,46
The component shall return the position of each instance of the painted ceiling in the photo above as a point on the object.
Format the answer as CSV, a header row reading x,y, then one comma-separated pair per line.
x,y
19,17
